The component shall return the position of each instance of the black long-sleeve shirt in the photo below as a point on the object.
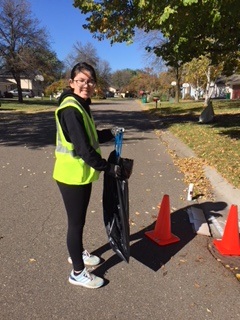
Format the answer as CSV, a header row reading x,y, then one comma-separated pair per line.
x,y
74,131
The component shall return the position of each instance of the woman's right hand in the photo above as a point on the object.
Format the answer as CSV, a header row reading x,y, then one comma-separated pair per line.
x,y
114,171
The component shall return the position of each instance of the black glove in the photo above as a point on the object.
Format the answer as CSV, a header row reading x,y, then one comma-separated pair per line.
x,y
114,170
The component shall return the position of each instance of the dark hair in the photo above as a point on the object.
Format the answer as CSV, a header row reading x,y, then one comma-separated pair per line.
x,y
80,67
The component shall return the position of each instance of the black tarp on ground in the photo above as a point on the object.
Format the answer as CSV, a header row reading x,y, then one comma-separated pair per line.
x,y
116,207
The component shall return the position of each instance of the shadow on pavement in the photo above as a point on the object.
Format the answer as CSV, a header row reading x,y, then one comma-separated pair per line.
x,y
148,252
154,256
37,130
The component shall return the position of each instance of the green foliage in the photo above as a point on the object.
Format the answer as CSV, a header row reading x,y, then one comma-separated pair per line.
x,y
194,72
191,28
121,79
48,65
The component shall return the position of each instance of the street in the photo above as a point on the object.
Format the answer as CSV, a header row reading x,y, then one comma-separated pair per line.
x,y
179,281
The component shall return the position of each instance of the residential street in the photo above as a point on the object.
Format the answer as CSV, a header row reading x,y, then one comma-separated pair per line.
x,y
182,281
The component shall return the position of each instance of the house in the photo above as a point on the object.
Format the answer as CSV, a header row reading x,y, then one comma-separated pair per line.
x,y
223,87
7,83
233,83
231,86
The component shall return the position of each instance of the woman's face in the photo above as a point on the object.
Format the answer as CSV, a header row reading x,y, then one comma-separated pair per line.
x,y
83,84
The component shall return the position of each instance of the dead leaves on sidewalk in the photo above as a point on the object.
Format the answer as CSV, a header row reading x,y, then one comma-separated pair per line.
x,y
193,170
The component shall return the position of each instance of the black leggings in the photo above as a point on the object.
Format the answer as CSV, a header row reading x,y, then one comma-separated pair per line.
x,y
76,199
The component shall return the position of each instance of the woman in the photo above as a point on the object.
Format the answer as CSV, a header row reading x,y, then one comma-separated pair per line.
x,y
78,164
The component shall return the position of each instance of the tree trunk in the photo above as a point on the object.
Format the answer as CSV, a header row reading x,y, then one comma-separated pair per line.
x,y
19,88
177,91
208,93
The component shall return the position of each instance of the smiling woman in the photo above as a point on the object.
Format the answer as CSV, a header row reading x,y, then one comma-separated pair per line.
x,y
78,164
83,80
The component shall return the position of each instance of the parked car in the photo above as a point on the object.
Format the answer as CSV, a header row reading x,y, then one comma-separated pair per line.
x,y
25,92
8,94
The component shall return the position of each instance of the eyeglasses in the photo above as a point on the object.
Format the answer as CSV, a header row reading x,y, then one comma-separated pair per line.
x,y
82,82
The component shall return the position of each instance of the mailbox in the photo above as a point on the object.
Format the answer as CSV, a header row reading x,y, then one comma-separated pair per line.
x,y
156,99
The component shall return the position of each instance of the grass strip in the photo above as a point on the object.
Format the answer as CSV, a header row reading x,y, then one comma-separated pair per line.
x,y
217,143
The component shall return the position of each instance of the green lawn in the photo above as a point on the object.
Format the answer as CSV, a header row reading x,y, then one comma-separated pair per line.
x,y
218,143
29,105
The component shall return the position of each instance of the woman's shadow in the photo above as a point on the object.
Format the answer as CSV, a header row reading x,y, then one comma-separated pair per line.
x,y
149,252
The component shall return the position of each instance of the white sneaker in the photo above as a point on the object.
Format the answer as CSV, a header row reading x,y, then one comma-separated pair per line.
x,y
88,259
86,279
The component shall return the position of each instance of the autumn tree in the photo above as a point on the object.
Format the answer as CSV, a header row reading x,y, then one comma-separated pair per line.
x,y
24,47
190,28
143,80
120,79
165,79
200,74
56,86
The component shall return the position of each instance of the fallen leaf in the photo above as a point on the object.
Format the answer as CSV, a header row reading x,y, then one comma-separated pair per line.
x,y
182,260
238,276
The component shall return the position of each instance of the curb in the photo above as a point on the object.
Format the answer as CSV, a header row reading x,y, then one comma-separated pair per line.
x,y
223,191
231,263
224,196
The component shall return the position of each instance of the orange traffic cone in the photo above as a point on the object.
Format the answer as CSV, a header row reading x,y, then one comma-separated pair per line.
x,y
162,232
230,243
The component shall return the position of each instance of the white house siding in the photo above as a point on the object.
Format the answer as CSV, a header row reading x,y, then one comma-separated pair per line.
x,y
7,84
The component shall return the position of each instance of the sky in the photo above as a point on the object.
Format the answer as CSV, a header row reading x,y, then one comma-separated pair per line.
x,y
64,23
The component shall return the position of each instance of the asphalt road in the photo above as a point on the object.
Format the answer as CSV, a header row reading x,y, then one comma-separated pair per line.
x,y
180,281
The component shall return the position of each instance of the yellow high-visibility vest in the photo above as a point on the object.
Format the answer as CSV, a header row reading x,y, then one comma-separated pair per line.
x,y
70,168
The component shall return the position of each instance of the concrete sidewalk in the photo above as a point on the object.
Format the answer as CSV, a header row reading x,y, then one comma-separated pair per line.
x,y
182,280
223,191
